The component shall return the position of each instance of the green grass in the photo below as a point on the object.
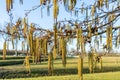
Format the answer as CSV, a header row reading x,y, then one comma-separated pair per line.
x,y
96,76
111,67
12,57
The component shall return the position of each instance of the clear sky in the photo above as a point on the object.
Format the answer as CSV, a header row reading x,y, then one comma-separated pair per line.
x,y
35,16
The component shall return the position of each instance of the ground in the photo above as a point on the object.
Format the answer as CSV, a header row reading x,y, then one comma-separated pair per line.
x,y
13,68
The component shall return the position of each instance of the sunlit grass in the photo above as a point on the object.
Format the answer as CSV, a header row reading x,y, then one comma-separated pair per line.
x,y
95,76
111,66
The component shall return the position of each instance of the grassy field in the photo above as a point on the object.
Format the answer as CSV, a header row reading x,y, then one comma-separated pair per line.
x,y
110,71
95,76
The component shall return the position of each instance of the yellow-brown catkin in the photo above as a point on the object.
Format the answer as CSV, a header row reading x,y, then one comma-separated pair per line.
x,y
27,64
8,5
55,9
50,64
89,31
59,46
41,2
63,52
80,68
41,51
37,50
4,50
45,46
91,61
93,10
31,41
109,37
55,42
34,51
55,53
55,36
25,26
78,32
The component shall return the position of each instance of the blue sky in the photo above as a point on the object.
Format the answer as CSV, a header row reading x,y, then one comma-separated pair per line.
x,y
35,16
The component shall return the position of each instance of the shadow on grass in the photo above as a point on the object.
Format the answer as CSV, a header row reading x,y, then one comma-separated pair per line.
x,y
57,72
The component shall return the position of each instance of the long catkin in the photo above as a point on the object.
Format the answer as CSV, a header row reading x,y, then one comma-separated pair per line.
x,y
37,50
27,64
54,52
4,50
91,61
50,63
9,5
80,68
63,52
55,9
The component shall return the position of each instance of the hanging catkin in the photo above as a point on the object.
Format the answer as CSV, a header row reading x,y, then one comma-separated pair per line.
x,y
78,32
55,9
42,46
91,61
40,50
25,26
54,52
45,46
80,68
55,42
50,64
100,3
37,50
70,6
9,5
93,10
31,41
60,43
27,64
4,50
81,39
63,51
34,51
109,37
107,34
41,2
89,31
55,36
